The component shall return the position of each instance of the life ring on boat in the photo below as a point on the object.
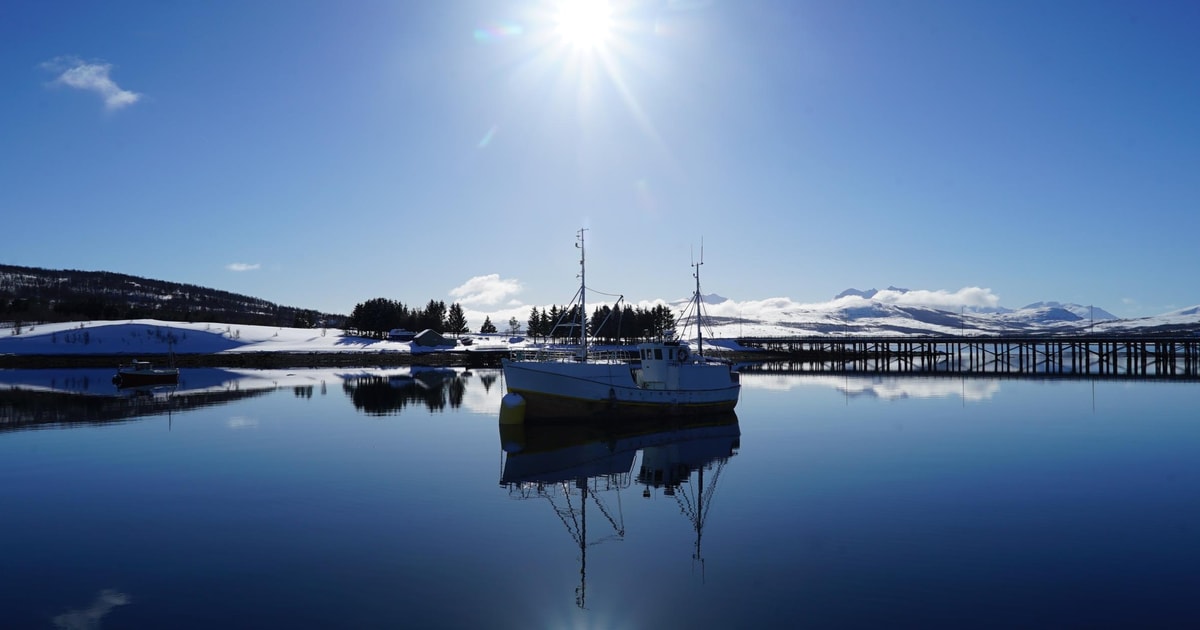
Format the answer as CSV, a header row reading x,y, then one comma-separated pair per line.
x,y
681,354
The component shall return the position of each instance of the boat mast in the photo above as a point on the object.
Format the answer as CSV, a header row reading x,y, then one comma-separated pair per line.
x,y
582,293
699,305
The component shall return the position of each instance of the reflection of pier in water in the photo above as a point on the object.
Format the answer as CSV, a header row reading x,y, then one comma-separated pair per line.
x,y
1169,358
570,465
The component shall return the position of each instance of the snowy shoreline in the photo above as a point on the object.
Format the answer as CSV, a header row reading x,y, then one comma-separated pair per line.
x,y
208,344
157,337
201,344
249,360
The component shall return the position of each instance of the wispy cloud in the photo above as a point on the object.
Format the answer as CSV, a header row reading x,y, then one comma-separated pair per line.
x,y
237,266
91,76
971,297
485,290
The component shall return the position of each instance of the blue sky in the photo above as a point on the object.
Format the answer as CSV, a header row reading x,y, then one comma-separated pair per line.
x,y
319,154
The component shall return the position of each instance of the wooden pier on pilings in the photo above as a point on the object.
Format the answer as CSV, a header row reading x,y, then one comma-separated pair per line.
x,y
1079,355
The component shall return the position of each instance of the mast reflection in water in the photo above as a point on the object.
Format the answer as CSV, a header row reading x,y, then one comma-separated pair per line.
x,y
572,465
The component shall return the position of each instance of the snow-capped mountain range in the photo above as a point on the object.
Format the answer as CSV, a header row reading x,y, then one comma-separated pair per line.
x,y
896,311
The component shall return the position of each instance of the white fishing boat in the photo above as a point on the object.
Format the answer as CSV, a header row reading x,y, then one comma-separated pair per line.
x,y
665,378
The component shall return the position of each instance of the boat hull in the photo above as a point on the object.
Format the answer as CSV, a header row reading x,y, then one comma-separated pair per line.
x,y
555,390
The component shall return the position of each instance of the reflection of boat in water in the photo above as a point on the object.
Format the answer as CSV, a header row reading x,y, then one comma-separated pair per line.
x,y
665,379
572,465
159,391
669,467
138,373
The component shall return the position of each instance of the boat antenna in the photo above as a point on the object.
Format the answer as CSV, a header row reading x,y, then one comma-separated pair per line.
x,y
699,301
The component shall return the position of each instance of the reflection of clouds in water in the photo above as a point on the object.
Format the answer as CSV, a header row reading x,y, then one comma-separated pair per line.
x,y
774,382
886,388
90,617
242,422
890,389
480,399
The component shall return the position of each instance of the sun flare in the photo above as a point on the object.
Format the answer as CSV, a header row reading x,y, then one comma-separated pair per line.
x,y
584,23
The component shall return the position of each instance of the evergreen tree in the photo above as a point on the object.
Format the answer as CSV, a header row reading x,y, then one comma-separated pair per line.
x,y
456,321
533,327
662,319
628,324
552,322
434,315
302,319
374,318
600,326
488,326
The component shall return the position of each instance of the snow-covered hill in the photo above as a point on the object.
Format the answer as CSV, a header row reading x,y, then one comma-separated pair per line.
x,y
1093,313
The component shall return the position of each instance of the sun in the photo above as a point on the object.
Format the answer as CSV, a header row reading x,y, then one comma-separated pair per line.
x,y
584,23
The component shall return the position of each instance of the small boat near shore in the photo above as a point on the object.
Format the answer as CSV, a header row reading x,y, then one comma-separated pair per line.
x,y
139,373
665,378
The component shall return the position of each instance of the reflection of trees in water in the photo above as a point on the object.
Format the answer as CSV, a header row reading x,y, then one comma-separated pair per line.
x,y
379,395
456,388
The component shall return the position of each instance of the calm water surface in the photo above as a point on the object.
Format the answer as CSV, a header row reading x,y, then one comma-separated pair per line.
x,y
384,499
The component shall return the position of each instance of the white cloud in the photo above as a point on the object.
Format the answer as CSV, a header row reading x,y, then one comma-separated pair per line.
x,y
82,75
783,308
486,290
772,309
940,299
242,266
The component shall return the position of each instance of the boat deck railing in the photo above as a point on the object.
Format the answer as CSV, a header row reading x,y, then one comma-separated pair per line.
x,y
547,354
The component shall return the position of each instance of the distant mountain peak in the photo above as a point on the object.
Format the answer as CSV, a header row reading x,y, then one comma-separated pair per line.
x,y
709,298
869,293
1082,312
